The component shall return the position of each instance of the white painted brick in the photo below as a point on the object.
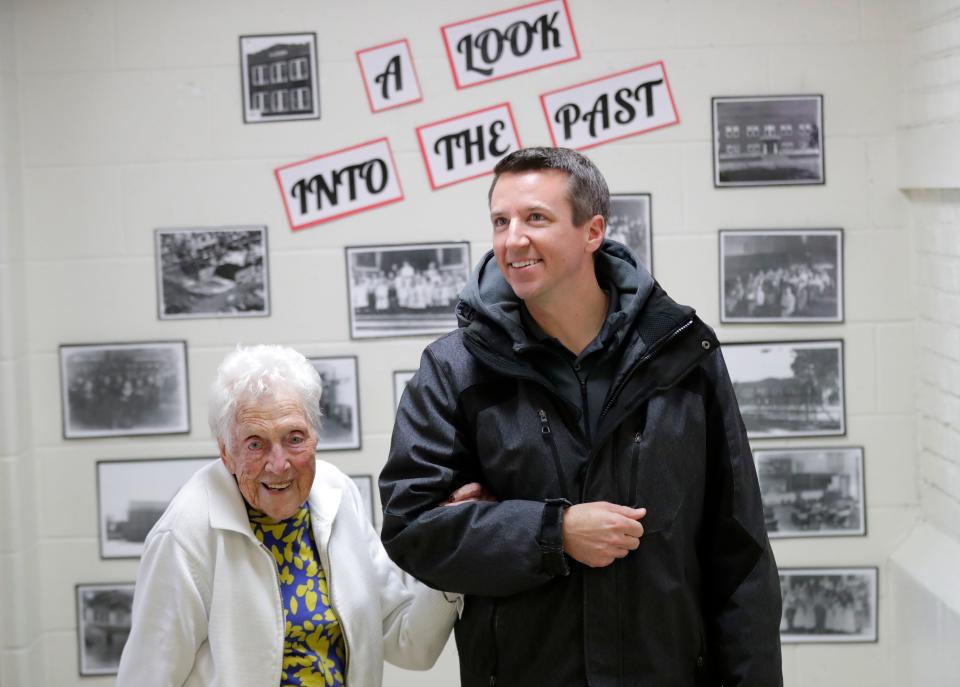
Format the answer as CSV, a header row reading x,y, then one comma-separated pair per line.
x,y
19,666
940,273
882,20
941,473
942,509
12,399
938,438
889,444
880,288
940,338
861,369
896,376
887,206
60,35
676,259
929,12
928,303
71,212
942,35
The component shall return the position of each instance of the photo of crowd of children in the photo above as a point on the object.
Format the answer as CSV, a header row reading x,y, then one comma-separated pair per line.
x,y
829,605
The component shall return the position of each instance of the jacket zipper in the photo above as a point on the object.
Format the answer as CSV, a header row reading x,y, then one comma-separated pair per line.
x,y
634,469
343,626
494,628
646,356
547,435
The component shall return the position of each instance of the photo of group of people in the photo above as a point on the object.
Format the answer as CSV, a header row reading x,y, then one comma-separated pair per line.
x,y
829,605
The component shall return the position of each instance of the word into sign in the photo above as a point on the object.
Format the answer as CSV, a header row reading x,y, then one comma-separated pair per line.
x,y
340,183
510,42
611,107
389,76
467,146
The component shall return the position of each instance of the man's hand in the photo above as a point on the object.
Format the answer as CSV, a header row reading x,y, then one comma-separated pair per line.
x,y
468,493
598,533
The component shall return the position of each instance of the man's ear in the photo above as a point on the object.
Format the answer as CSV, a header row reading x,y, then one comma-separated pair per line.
x,y
596,230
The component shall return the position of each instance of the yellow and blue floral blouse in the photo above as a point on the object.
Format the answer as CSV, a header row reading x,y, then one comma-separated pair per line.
x,y
314,652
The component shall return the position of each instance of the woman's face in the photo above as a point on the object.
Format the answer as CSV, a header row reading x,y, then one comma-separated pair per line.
x,y
272,453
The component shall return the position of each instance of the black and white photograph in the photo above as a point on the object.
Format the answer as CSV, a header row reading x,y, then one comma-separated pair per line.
x,y
279,76
400,379
124,389
789,389
212,272
339,403
630,222
828,605
406,289
103,625
131,497
365,486
812,492
781,275
768,140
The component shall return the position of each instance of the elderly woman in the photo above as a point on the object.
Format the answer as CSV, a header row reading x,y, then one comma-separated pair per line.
x,y
264,569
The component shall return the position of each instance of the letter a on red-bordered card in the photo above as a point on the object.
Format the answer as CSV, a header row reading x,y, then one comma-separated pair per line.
x,y
609,108
338,184
467,146
510,42
389,76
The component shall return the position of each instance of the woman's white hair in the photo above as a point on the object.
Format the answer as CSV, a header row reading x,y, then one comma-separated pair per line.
x,y
249,373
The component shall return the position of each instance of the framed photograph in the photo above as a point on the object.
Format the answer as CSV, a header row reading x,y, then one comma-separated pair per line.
x,y
365,485
216,272
339,403
828,605
103,625
124,389
131,497
768,140
400,379
631,223
406,289
812,492
781,275
279,75
789,389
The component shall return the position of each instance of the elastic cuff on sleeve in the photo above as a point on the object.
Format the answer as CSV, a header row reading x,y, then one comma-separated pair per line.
x,y
551,537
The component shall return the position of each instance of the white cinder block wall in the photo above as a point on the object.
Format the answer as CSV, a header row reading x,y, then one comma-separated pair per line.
x,y
121,116
925,594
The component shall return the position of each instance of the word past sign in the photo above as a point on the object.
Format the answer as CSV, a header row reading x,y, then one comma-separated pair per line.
x,y
510,42
467,146
611,107
340,183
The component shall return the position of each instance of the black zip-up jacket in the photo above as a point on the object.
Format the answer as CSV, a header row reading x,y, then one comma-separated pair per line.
x,y
698,603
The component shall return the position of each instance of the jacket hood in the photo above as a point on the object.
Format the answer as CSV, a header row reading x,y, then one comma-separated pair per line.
x,y
488,298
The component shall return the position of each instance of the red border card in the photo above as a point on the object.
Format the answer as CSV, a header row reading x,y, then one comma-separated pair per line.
x,y
391,189
413,69
443,178
616,97
522,63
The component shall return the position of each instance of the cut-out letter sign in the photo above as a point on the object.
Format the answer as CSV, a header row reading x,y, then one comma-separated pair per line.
x,y
389,75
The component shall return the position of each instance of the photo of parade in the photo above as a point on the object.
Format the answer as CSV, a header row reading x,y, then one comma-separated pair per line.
x,y
212,272
405,290
829,605
630,223
124,389
781,275
812,492
788,389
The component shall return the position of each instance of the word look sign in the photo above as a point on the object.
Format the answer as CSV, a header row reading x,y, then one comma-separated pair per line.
x,y
467,146
340,183
510,42
389,75
612,107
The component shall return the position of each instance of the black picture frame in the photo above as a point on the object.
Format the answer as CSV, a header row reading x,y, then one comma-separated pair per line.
x,y
365,485
405,289
780,396
212,272
788,145
630,222
781,276
124,389
132,494
265,96
829,605
339,403
103,625
813,492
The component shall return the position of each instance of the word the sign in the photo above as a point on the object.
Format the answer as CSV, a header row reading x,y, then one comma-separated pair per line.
x,y
467,146
510,42
611,107
389,76
339,183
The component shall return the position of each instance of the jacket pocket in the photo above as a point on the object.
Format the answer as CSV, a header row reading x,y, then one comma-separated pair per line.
x,y
476,635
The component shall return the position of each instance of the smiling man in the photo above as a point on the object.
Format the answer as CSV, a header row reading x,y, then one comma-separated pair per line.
x,y
627,543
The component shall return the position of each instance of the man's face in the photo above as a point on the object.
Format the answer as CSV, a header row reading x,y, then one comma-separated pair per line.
x,y
271,454
541,253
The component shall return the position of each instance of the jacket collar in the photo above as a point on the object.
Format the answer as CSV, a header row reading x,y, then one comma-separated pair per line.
x,y
228,510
